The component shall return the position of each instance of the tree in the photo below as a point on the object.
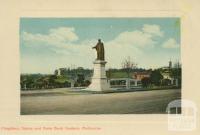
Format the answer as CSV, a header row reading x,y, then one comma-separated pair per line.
x,y
87,83
80,79
108,73
176,73
52,79
156,77
146,82
177,64
128,65
56,72
166,82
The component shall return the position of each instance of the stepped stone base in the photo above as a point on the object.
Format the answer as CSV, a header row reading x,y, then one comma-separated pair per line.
x,y
99,80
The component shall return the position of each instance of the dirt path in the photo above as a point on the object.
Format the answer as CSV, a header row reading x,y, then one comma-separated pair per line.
x,y
112,103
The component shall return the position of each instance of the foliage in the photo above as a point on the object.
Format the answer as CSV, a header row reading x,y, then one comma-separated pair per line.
x,y
45,81
156,77
35,81
81,76
146,81
166,82
177,74
60,79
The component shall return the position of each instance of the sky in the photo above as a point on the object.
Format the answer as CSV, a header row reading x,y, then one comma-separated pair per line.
x,y
47,44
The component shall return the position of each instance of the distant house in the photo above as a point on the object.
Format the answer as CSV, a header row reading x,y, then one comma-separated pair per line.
x,y
166,71
140,75
167,74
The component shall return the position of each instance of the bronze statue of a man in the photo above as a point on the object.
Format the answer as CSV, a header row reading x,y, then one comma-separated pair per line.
x,y
100,50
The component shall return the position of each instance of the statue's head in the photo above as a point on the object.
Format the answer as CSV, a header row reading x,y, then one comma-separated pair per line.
x,y
99,40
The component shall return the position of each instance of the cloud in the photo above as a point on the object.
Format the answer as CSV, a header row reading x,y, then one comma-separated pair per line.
x,y
134,38
54,37
153,29
170,43
131,43
61,42
64,34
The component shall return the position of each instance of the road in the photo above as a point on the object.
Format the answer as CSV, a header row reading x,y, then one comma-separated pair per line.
x,y
139,102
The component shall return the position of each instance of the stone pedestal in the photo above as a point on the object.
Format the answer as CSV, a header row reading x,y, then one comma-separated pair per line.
x,y
99,80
